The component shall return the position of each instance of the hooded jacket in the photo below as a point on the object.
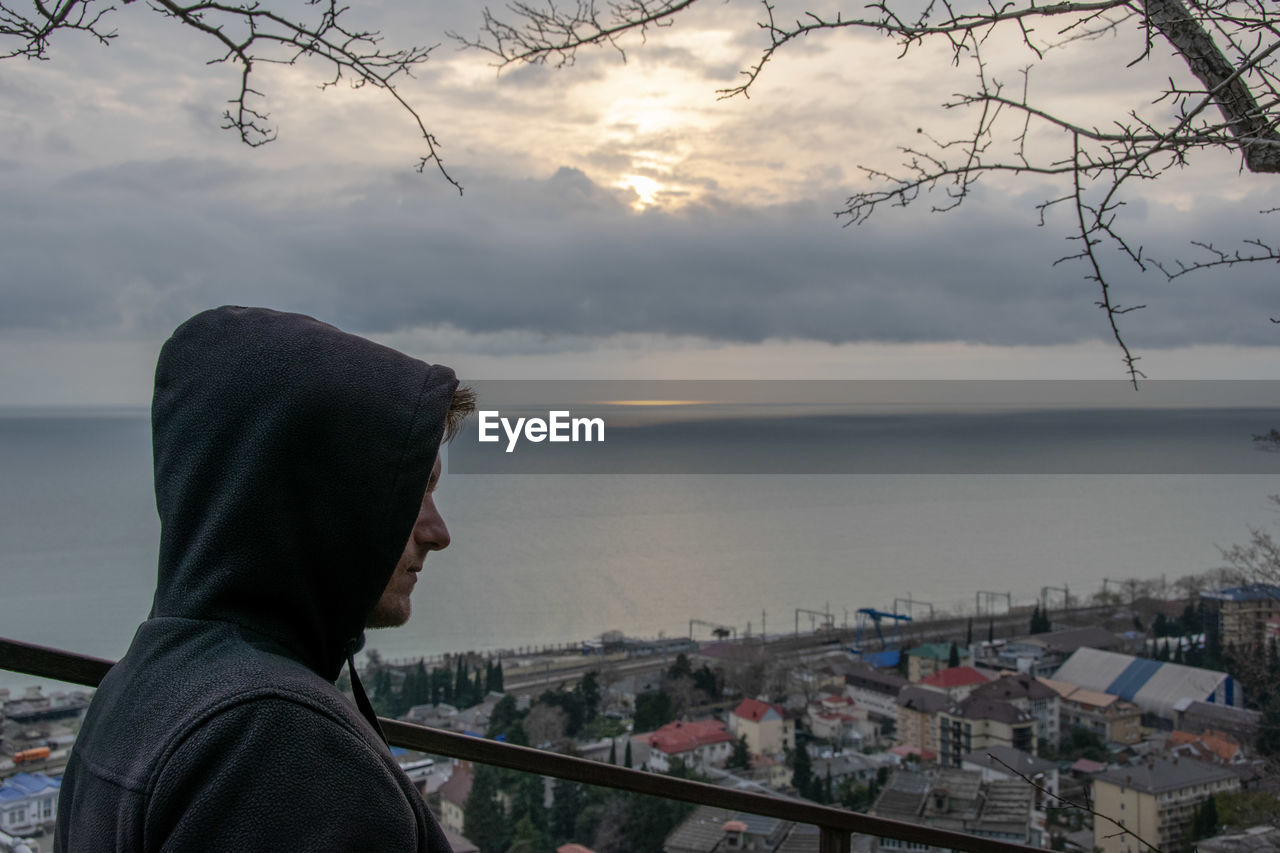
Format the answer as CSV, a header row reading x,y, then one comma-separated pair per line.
x,y
290,463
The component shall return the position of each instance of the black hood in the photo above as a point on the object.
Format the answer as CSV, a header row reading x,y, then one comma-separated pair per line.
x,y
290,462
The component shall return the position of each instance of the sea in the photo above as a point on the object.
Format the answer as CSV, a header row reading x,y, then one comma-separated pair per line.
x,y
547,558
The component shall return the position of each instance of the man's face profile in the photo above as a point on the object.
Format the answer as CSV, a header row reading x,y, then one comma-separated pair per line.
x,y
429,534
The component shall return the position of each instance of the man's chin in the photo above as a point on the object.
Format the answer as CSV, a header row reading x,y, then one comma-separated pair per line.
x,y
388,617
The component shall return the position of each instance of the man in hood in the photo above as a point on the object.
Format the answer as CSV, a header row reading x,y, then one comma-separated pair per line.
x,y
294,469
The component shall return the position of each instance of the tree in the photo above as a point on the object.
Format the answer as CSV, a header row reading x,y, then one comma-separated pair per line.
x,y
653,710
741,756
953,657
1226,97
1204,823
681,668
545,723
626,758
503,717
802,771
589,689
486,821
529,838
705,680
248,35
567,801
528,802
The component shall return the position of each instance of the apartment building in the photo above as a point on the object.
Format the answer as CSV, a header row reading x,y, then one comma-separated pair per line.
x,y
1155,799
976,723
1026,693
1111,718
1244,611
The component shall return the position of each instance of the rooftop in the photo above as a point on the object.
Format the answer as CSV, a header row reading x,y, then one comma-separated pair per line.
x,y
755,710
922,699
956,676
1248,592
677,737
22,785
1011,687
458,787
1156,774
982,708
1082,695
882,681
1071,639
936,651
1002,758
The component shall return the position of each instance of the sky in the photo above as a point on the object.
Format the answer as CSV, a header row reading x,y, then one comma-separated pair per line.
x,y
618,220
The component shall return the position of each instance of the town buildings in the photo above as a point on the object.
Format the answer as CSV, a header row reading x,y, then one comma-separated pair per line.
x,y
957,800
1154,686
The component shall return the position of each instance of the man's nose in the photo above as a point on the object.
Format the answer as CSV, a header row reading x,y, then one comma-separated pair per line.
x,y
431,531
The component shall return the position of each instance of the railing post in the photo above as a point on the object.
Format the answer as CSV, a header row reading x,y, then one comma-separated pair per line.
x,y
832,840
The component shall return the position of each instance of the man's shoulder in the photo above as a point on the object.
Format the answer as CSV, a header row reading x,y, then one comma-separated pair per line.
x,y
178,676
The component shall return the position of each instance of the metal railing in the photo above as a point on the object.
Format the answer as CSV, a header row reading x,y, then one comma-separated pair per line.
x,y
836,826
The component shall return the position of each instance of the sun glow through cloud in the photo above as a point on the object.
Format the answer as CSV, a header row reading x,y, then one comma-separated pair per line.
x,y
645,188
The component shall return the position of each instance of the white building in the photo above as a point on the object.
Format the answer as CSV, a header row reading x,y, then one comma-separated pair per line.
x,y
28,803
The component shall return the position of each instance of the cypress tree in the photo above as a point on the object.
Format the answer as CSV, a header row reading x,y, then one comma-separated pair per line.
x,y
485,819
953,659
566,803
741,756
802,772
461,683
1209,817
626,758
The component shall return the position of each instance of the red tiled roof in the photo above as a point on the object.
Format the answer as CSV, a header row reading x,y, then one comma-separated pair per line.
x,y
903,750
674,738
956,676
1085,765
754,710
1221,745
458,787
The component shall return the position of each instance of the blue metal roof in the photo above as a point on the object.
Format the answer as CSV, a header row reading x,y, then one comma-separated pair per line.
x,y
22,785
1132,679
1251,592
882,660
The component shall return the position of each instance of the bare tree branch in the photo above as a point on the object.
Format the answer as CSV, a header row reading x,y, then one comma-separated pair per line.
x,y
247,33
1229,49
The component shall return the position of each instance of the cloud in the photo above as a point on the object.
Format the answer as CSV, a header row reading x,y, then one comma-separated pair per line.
x,y
142,213
141,246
